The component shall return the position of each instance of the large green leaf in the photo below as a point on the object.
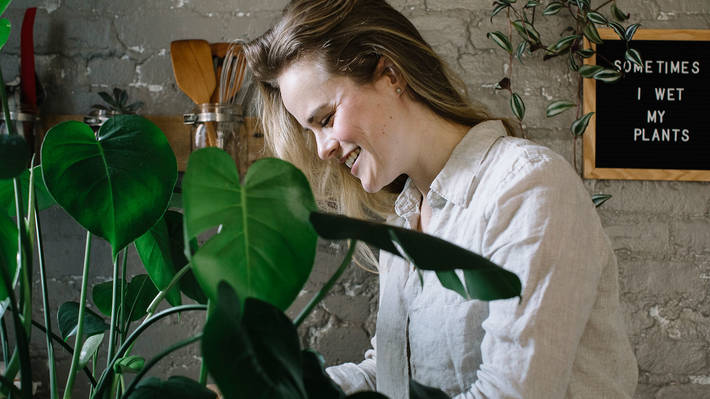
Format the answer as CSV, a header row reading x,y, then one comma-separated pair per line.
x,y
317,383
265,246
8,253
157,249
254,354
116,186
7,192
14,154
5,26
484,279
139,294
176,387
68,318
3,5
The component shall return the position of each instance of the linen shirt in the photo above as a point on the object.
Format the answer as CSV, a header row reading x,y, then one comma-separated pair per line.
x,y
523,207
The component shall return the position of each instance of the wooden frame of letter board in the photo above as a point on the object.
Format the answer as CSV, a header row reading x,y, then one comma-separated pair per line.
x,y
590,105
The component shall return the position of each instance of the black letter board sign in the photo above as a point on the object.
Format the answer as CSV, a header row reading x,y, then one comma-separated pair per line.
x,y
653,123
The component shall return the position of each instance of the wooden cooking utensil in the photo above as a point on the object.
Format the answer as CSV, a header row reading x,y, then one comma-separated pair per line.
x,y
194,73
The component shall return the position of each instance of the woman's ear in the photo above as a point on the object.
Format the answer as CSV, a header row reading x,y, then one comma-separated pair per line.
x,y
385,68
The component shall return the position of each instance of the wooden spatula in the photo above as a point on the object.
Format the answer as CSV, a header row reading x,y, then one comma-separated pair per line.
x,y
194,74
193,68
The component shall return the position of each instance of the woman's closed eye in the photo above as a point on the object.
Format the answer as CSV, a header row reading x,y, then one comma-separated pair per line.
x,y
327,120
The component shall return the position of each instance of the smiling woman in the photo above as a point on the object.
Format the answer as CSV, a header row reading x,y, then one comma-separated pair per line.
x,y
352,94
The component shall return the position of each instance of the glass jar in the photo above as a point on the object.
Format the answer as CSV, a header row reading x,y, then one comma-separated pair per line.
x,y
216,125
98,117
26,123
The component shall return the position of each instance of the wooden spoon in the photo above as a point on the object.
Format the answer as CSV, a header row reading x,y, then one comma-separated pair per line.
x,y
194,73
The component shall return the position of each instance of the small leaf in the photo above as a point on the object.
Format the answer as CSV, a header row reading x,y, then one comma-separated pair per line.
x,y
521,50
597,18
518,106
501,40
630,32
531,4
599,199
620,31
504,84
68,317
552,8
585,53
89,349
420,391
588,70
582,4
527,31
618,14
562,44
14,155
591,33
633,56
572,62
107,98
129,364
580,125
607,75
498,9
176,387
138,295
557,107
5,27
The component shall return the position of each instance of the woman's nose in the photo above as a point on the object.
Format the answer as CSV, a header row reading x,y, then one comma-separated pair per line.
x,y
327,146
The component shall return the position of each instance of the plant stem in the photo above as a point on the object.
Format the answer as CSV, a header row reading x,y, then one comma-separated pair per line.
x,y
328,285
68,348
161,295
5,107
203,367
78,342
3,338
122,313
108,371
152,362
45,306
602,5
114,311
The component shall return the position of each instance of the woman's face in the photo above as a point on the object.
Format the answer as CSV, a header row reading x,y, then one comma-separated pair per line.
x,y
357,125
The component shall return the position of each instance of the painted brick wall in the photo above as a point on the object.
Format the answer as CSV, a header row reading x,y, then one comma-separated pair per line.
x,y
660,230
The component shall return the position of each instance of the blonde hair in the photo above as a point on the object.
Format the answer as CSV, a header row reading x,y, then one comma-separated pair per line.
x,y
347,38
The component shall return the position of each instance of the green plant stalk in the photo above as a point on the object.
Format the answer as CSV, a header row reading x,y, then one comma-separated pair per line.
x,y
68,348
161,295
45,306
100,386
152,362
114,311
328,285
122,314
6,107
203,367
11,386
78,342
3,341
21,353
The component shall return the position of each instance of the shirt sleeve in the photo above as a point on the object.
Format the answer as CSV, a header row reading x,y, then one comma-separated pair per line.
x,y
353,377
543,227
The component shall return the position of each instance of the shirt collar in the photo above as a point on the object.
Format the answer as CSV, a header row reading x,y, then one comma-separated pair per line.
x,y
456,181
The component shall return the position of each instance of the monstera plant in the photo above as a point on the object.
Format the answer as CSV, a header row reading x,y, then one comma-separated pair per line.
x,y
259,243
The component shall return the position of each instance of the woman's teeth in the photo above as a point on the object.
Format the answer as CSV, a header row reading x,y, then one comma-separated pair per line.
x,y
352,157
